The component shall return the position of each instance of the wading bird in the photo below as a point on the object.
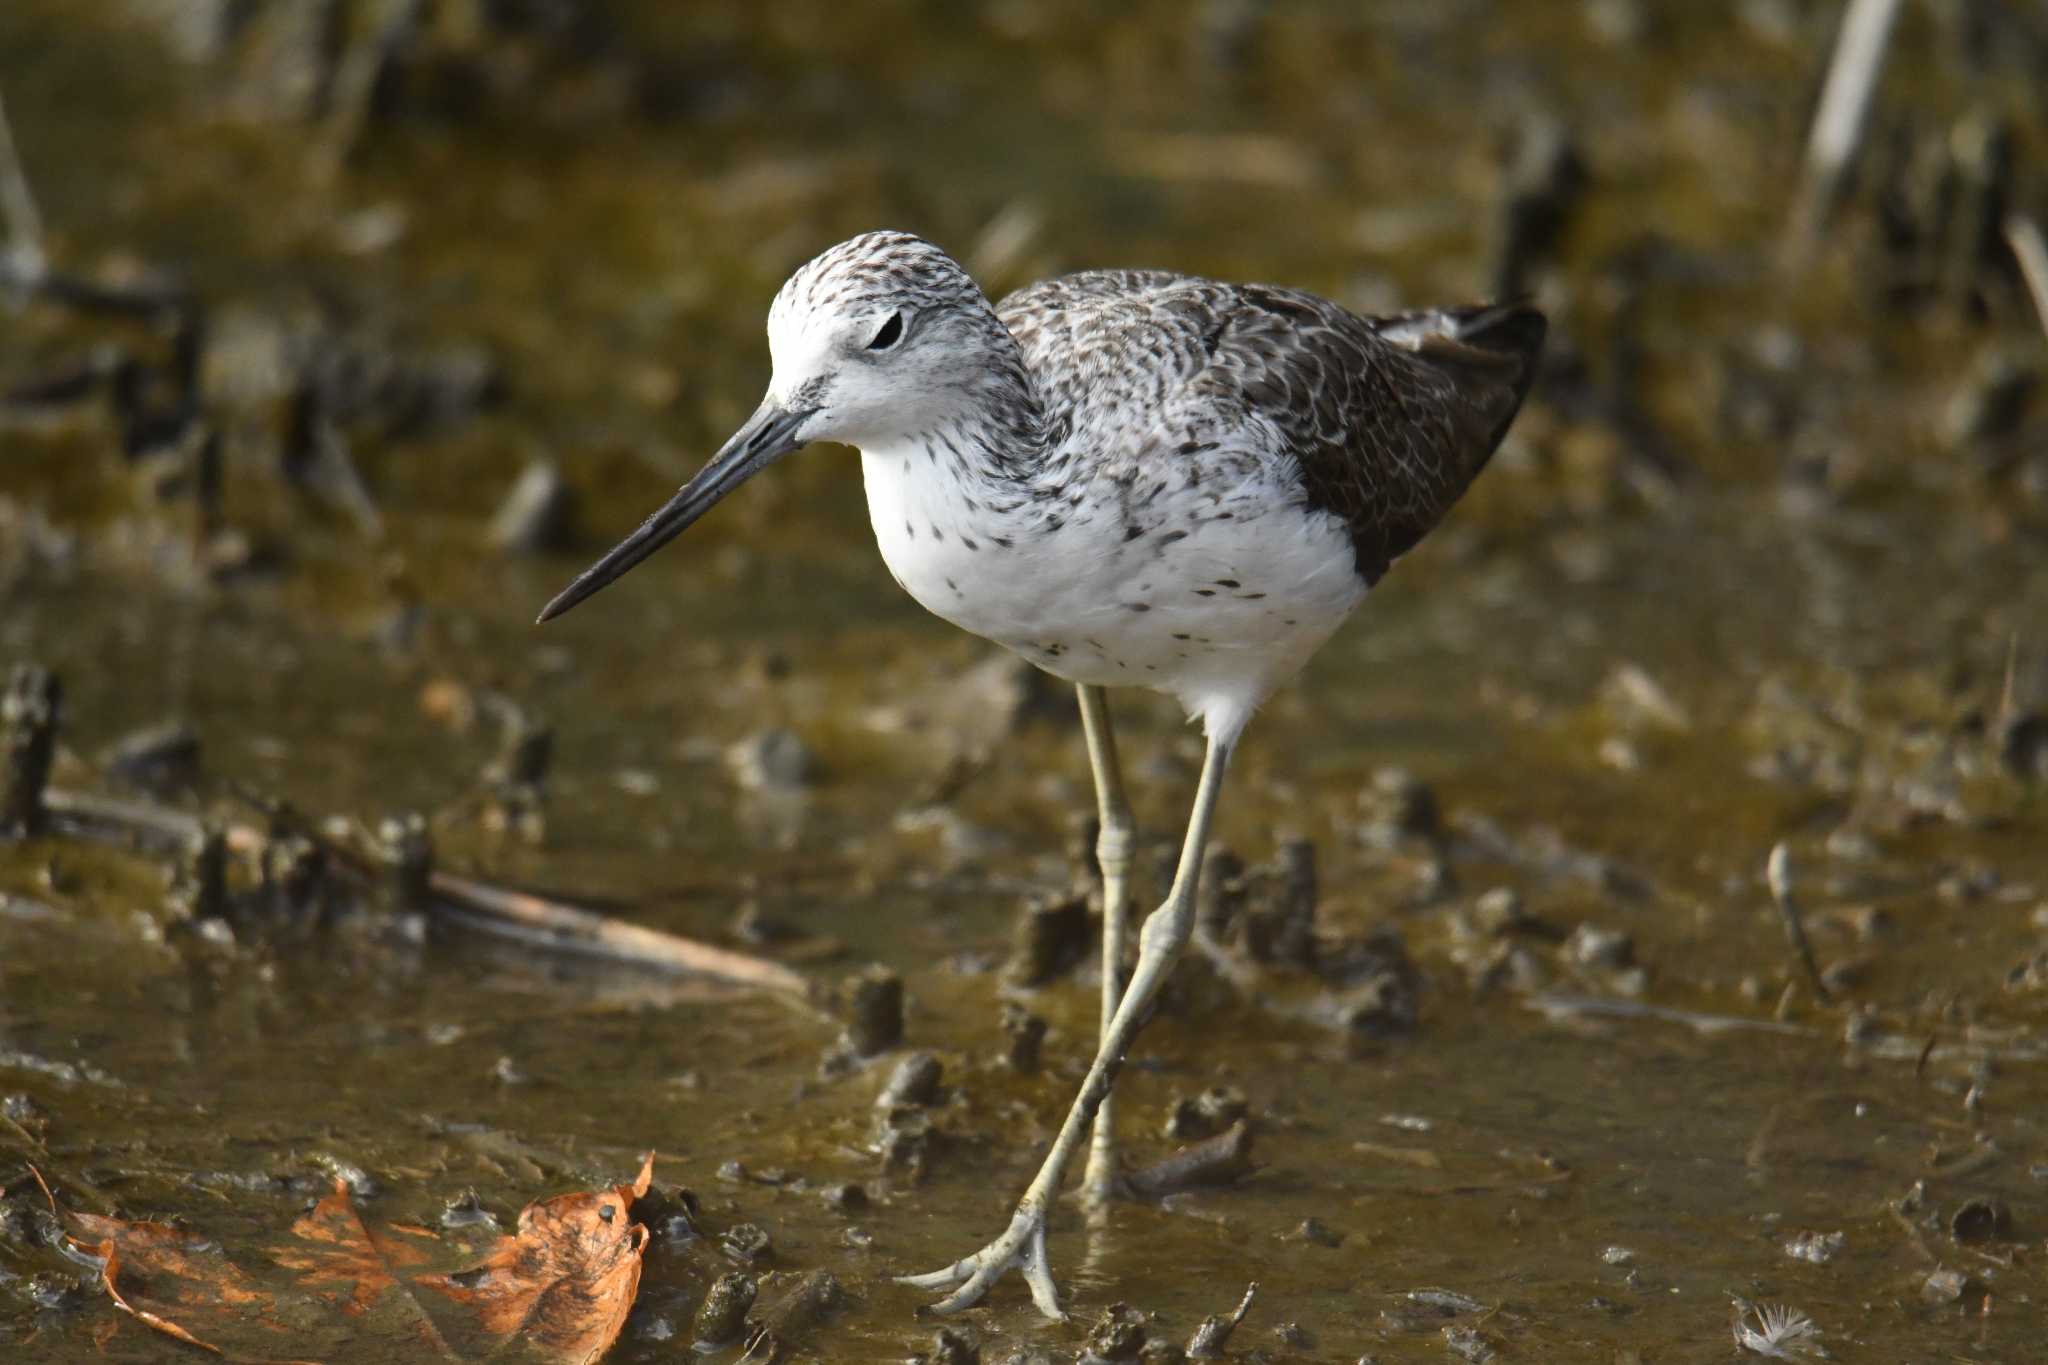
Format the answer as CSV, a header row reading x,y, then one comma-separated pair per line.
x,y
1131,478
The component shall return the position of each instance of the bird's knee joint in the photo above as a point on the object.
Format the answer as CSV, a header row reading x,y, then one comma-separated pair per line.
x,y
1166,928
1116,844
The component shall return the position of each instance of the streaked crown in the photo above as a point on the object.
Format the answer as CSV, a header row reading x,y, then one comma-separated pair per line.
x,y
888,340
875,272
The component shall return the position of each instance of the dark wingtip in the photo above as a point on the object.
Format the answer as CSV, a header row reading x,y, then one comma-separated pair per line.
x,y
1514,326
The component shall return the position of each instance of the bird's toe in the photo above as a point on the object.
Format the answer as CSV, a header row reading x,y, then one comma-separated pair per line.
x,y
1021,1247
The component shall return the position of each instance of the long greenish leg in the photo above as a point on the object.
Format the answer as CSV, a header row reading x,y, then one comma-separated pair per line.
x,y
1022,1244
1115,844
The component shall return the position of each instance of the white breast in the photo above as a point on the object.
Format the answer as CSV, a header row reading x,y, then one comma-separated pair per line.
x,y
1222,595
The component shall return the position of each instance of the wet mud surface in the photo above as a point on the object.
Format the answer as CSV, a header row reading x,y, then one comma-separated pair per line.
x,y
1496,1048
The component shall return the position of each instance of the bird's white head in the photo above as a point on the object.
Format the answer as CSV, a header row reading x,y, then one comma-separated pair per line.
x,y
878,342
882,339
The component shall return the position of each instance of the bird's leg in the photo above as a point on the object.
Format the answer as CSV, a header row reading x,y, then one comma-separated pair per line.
x,y
1166,931
1115,842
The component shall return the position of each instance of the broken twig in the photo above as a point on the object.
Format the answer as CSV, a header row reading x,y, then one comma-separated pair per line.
x,y
1844,108
521,914
1219,1160
23,263
1778,872
1571,1006
2023,235
1210,1338
477,904
30,710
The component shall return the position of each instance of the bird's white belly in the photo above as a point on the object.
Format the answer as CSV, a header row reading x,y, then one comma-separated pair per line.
x,y
1216,610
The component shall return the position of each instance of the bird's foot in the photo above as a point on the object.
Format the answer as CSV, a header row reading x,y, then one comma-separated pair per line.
x,y
1098,1189
1102,1181
1022,1247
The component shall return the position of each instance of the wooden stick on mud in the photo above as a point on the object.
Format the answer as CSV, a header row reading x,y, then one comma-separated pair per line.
x,y
10,1124
1608,1007
23,262
477,904
1218,1160
1209,1339
1844,108
523,914
356,74
30,710
2023,235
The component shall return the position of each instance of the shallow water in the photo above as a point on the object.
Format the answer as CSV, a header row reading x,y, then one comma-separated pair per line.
x,y
1622,691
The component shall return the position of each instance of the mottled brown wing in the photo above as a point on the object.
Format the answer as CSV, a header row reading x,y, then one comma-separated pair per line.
x,y
1390,418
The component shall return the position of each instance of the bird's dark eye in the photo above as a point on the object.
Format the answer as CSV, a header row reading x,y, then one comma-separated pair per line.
x,y
889,335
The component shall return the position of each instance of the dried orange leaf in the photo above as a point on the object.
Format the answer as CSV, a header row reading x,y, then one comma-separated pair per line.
x,y
566,1279
339,1250
153,1271
563,1285
353,1268
178,1267
166,1271
110,1273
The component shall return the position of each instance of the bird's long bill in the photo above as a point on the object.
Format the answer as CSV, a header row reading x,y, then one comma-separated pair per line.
x,y
769,434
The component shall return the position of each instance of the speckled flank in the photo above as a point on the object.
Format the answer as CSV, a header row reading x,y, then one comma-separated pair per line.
x,y
1139,477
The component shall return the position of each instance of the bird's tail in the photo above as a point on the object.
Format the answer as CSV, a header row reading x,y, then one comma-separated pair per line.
x,y
1493,349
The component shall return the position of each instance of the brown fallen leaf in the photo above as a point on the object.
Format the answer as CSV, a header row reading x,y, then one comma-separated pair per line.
x,y
109,1256
167,1270
566,1279
153,1270
337,1249
562,1285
